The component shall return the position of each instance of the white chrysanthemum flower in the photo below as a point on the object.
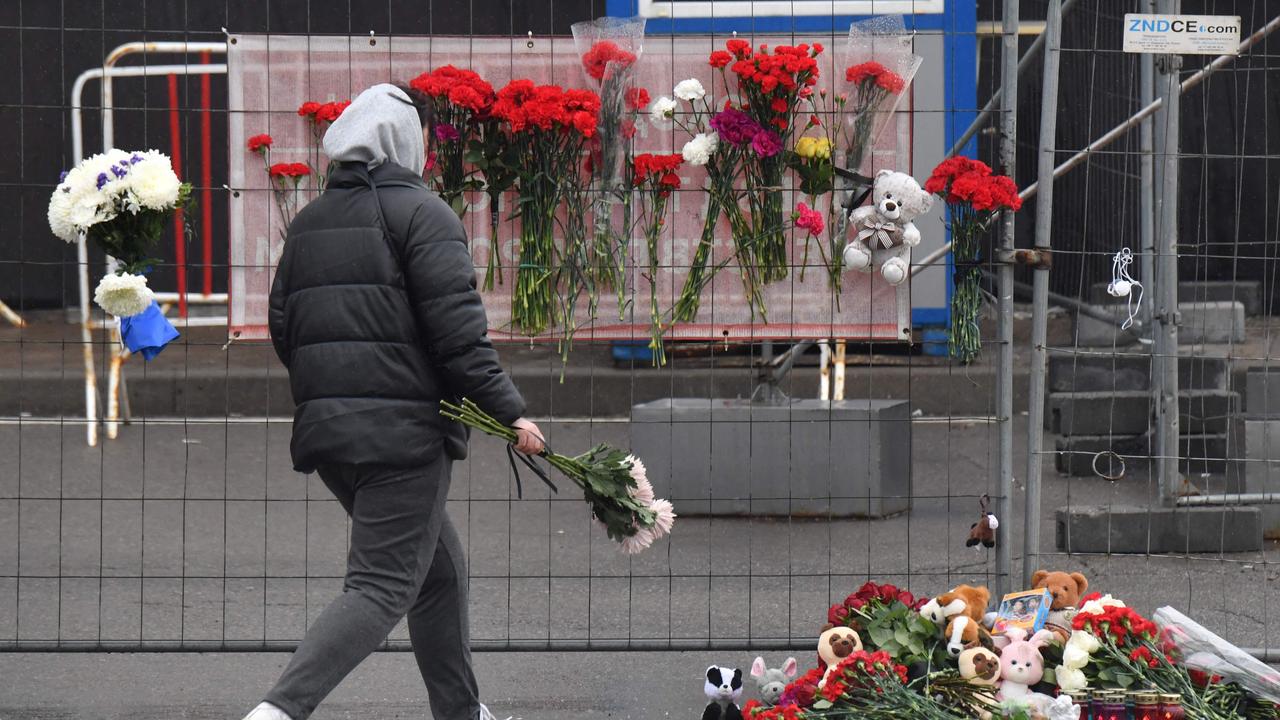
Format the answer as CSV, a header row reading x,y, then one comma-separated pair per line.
x,y
60,207
123,295
662,109
1070,680
152,181
698,150
665,519
639,542
690,90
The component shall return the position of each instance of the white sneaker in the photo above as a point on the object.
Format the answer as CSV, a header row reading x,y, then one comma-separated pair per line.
x,y
484,714
267,711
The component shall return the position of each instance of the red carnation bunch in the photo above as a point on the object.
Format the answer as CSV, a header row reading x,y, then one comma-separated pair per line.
x,y
260,143
657,170
284,172
964,180
462,88
522,105
777,77
322,112
602,54
877,74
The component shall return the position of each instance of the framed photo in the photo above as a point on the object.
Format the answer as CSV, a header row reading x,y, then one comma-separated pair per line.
x,y
1027,609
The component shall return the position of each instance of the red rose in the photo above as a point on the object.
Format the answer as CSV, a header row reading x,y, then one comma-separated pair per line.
x,y
719,59
906,598
837,614
805,694
259,143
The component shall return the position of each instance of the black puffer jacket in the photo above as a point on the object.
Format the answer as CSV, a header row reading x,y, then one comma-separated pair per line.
x,y
377,328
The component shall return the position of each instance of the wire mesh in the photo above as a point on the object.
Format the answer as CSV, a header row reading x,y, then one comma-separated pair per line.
x,y
191,531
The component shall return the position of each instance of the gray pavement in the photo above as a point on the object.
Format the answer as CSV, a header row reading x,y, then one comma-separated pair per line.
x,y
193,531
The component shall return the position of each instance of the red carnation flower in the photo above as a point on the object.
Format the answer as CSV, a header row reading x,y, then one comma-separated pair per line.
x,y
289,171
308,109
637,98
779,105
597,59
259,143
719,59
739,48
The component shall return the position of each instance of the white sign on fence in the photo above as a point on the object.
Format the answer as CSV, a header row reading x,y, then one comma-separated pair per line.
x,y
1181,34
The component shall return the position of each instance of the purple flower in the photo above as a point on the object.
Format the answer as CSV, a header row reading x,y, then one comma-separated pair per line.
x,y
102,180
734,126
62,177
135,159
446,132
119,171
766,143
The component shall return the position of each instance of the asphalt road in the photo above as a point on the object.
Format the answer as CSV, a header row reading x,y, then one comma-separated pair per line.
x,y
200,532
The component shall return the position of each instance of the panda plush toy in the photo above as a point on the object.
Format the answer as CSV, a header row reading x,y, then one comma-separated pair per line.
x,y
723,689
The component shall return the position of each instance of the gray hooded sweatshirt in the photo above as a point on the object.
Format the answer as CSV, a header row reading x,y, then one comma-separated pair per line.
x,y
380,126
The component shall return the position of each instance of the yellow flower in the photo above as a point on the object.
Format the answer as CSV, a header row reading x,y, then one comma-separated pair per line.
x,y
813,147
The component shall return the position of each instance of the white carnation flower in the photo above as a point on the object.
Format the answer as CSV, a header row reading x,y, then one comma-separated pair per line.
x,y
662,109
152,181
699,149
123,295
690,90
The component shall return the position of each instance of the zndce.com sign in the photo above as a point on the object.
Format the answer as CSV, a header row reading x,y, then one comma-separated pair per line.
x,y
1182,34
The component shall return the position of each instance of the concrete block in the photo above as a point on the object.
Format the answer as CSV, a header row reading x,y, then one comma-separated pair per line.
x,y
1202,322
1262,392
1200,454
1128,412
814,458
1211,322
1133,529
1073,372
1246,292
1257,440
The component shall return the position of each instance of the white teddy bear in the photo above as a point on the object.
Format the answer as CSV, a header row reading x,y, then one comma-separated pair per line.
x,y
882,233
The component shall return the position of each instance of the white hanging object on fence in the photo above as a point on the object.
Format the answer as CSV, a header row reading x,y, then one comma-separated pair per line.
x,y
1122,285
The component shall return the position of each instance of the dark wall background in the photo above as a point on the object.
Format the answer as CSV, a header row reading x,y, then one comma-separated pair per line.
x,y
1230,126
1230,144
46,44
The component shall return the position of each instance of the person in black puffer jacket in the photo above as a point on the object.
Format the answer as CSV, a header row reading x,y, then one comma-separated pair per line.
x,y
374,312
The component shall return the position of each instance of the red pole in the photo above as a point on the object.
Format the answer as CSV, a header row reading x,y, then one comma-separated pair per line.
x,y
206,177
179,239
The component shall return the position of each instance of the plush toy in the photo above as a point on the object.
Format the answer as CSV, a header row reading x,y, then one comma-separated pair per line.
x,y
981,667
835,644
882,232
723,689
1066,589
959,612
1021,666
772,681
983,531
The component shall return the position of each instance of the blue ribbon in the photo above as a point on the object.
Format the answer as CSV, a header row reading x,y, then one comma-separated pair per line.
x,y
147,332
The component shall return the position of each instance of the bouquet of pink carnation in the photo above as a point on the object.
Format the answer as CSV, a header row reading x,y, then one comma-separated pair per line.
x,y
613,482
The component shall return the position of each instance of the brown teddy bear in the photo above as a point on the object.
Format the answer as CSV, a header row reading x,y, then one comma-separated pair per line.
x,y
1066,589
836,643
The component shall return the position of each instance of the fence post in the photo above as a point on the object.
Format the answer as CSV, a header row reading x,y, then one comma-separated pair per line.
x,y
1004,369
1147,178
1165,316
1040,290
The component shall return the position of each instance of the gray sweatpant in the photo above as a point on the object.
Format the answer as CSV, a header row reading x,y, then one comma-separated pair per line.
x,y
405,558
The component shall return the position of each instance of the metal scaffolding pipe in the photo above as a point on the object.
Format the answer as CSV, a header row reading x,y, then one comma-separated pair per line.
x,y
1004,373
985,113
1231,499
1040,292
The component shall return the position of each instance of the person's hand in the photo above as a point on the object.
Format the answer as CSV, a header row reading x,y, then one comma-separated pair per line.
x,y
528,437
